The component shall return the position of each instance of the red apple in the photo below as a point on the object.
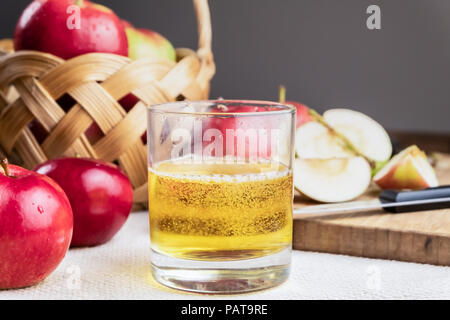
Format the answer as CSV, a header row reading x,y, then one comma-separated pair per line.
x,y
35,227
255,149
303,115
69,28
100,194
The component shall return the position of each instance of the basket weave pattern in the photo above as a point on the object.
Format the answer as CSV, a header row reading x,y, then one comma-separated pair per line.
x,y
31,83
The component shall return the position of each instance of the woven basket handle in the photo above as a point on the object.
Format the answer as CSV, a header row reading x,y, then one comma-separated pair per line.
x,y
204,38
204,27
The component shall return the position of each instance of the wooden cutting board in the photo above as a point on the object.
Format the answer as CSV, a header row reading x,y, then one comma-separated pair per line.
x,y
422,237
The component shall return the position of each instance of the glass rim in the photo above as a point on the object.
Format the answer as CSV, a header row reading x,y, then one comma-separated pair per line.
x,y
283,108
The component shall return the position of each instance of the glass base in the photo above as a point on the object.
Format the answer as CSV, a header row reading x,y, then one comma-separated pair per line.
x,y
222,277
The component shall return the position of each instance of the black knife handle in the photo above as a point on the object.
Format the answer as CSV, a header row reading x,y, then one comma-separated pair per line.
x,y
426,194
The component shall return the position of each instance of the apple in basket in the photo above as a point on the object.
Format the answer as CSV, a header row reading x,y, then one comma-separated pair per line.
x,y
36,226
69,28
100,194
144,43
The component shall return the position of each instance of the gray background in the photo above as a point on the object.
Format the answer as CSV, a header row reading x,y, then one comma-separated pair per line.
x,y
320,49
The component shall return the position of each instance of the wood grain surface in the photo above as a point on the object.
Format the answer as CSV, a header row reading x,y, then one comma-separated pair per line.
x,y
422,237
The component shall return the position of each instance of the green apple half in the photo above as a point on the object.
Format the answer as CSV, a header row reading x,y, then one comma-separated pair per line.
x,y
343,132
332,180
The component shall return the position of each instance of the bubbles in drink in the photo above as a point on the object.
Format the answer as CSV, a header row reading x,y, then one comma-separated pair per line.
x,y
220,210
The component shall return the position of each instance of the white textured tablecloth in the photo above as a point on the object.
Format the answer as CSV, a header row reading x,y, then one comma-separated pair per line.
x,y
120,269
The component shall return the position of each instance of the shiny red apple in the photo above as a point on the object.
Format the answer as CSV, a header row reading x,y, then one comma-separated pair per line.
x,y
35,227
100,194
69,28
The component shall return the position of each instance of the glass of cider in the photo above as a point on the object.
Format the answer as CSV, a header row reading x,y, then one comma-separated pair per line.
x,y
220,194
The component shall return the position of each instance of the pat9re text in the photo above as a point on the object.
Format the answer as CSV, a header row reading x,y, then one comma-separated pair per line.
x,y
230,309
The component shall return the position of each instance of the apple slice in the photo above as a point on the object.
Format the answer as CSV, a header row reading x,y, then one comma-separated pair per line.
x,y
315,141
366,135
409,169
332,180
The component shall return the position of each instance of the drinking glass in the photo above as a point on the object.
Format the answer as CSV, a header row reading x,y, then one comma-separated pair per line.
x,y
220,194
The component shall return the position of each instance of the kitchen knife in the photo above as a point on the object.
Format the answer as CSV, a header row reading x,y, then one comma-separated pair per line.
x,y
389,200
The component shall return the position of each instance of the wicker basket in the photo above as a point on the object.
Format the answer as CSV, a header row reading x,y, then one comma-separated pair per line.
x,y
31,83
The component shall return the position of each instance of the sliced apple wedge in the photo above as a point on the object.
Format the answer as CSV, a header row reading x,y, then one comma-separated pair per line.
x,y
365,134
315,141
409,169
332,180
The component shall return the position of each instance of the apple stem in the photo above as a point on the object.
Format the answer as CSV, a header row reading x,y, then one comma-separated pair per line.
x,y
282,94
345,141
5,167
222,107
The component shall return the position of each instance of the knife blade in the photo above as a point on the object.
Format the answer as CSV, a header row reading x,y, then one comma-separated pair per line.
x,y
390,201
